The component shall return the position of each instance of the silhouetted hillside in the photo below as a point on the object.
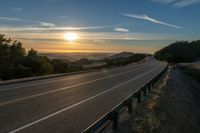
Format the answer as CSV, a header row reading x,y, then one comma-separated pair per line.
x,y
181,51
124,58
120,55
84,61
76,56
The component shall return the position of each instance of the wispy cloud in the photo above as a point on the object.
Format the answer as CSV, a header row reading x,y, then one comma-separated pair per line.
x,y
46,25
63,17
41,24
177,3
16,8
49,27
145,17
120,29
11,19
164,1
55,1
183,3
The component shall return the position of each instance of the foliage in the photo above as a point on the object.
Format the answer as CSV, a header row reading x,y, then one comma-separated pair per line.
x,y
59,66
181,51
16,63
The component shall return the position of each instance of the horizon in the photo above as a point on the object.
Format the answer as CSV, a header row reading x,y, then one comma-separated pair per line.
x,y
66,26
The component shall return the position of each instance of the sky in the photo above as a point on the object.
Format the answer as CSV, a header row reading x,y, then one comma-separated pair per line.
x,y
142,26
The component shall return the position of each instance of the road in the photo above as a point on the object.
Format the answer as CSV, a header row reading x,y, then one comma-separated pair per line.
x,y
70,103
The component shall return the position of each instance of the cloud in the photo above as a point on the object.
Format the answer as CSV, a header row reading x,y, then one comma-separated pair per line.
x,y
119,29
33,25
55,1
63,17
16,8
145,17
11,19
164,1
177,3
41,24
183,3
46,25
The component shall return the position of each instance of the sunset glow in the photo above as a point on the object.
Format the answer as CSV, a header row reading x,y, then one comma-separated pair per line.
x,y
71,36
51,25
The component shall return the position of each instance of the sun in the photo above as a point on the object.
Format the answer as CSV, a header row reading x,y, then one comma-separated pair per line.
x,y
71,36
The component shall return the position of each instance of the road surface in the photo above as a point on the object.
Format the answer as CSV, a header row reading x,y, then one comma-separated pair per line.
x,y
69,104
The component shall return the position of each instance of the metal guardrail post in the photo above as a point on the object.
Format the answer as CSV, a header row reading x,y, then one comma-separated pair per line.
x,y
149,87
115,119
153,84
139,96
145,91
129,104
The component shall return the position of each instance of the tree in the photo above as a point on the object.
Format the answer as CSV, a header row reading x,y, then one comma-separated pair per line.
x,y
4,49
32,53
15,63
40,65
17,53
59,66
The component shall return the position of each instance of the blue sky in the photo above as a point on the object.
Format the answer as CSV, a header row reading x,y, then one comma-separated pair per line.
x,y
102,25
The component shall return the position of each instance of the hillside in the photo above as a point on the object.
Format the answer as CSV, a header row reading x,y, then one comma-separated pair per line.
x,y
121,55
181,51
76,56
124,58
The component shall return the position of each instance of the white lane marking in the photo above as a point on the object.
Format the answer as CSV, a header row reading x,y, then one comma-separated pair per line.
x,y
62,79
64,88
76,104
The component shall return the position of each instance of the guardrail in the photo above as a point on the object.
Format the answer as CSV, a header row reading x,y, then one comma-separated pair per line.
x,y
113,115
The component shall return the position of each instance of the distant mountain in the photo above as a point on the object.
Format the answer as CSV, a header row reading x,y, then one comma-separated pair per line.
x,y
77,56
124,58
120,55
84,61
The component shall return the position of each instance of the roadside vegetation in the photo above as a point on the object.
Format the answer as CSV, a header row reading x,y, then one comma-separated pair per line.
x,y
16,62
180,51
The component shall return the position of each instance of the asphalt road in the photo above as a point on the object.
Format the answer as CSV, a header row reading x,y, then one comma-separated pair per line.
x,y
70,104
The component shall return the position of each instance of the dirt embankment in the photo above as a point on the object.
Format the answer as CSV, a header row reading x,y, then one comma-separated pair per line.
x,y
172,107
